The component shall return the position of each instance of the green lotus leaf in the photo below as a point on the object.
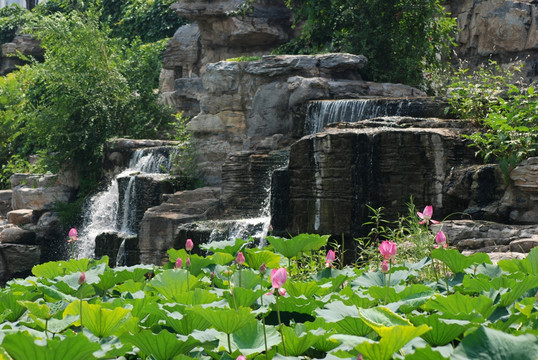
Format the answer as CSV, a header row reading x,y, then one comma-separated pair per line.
x,y
255,258
346,318
490,344
296,288
528,265
314,242
96,318
129,287
381,318
183,320
443,330
297,340
250,339
225,320
242,297
393,338
489,270
222,258
197,296
173,282
10,307
52,269
517,289
430,353
249,278
377,278
289,247
300,305
161,346
227,246
42,311
22,346
456,261
461,306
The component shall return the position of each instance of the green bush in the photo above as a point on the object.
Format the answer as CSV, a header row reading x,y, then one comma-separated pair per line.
x,y
506,113
11,18
400,38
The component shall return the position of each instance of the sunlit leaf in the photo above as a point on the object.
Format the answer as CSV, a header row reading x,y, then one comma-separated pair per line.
x,y
225,320
221,258
197,262
173,282
289,247
255,258
346,318
442,331
161,346
456,261
240,297
463,305
296,340
22,346
227,246
296,288
250,339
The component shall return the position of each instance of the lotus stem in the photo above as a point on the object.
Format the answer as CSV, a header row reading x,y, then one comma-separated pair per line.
x,y
263,318
280,324
229,344
388,283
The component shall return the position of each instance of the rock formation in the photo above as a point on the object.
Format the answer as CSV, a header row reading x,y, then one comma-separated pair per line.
x,y
22,44
506,31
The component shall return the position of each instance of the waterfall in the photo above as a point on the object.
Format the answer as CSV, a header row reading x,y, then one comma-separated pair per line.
x,y
106,212
323,112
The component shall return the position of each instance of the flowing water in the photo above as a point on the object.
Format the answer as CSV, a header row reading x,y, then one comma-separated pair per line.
x,y
106,212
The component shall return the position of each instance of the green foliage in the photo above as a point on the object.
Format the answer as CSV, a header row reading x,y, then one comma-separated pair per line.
x,y
400,38
244,58
11,18
183,159
505,112
492,314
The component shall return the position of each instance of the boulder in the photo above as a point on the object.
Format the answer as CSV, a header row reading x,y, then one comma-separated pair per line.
x,y
41,191
5,202
159,226
22,44
21,216
16,235
17,260
121,249
503,30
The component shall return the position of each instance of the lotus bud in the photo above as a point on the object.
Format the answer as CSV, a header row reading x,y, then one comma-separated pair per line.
x,y
188,262
189,245
82,278
240,259
263,268
179,263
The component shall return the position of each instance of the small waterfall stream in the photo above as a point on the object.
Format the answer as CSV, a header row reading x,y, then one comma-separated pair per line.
x,y
320,113
106,212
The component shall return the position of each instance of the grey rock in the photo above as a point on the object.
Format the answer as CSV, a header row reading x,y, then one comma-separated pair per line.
x,y
5,202
21,216
16,235
17,260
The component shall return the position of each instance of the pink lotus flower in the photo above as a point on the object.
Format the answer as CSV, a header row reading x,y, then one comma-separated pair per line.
x,y
72,235
330,258
241,357
82,278
440,239
240,259
189,245
179,263
278,278
426,215
384,267
387,249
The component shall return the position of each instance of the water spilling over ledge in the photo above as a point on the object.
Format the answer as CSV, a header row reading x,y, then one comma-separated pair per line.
x,y
323,112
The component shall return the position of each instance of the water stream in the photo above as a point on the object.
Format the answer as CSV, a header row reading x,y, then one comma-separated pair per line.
x,y
106,212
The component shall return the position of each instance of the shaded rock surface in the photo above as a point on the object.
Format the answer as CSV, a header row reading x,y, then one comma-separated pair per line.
x,y
21,44
17,260
121,249
159,226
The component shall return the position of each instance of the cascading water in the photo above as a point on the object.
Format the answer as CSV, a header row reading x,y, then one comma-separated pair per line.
x,y
323,112
106,212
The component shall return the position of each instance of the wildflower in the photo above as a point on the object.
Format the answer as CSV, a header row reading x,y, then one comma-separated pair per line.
x,y
179,263
330,258
387,249
263,268
426,215
440,239
82,278
72,235
189,245
384,267
240,259
278,278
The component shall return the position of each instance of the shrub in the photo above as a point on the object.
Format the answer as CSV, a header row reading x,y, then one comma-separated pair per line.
x,y
505,112
399,38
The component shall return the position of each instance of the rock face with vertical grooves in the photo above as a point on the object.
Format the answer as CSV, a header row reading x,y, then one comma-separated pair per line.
x,y
333,175
246,181
159,226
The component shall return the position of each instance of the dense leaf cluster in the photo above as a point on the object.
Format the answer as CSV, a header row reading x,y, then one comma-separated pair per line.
x,y
218,309
400,38
97,81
